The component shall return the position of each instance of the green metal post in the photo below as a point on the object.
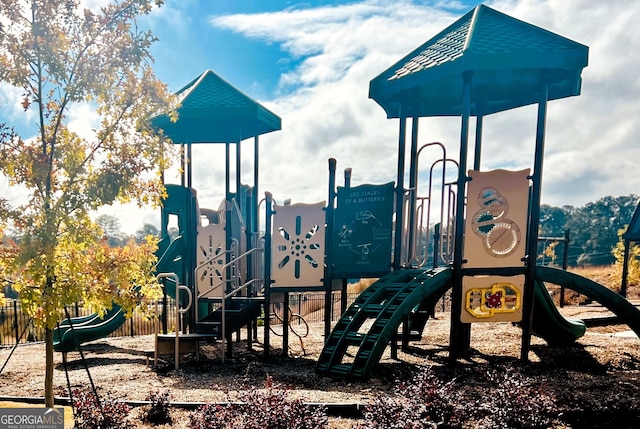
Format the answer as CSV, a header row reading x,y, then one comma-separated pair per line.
x,y
534,221
625,268
267,269
460,332
477,154
343,293
328,269
285,325
397,247
413,186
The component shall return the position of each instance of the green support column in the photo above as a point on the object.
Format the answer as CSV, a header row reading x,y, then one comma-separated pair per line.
x,y
534,221
477,153
397,247
328,270
413,186
267,270
460,332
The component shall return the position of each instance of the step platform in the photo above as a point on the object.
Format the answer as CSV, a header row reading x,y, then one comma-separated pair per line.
x,y
166,346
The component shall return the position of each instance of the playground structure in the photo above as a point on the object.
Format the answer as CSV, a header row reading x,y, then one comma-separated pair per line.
x,y
225,268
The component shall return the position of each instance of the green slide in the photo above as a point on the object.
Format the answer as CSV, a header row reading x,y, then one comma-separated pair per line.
x,y
627,313
77,330
70,335
549,324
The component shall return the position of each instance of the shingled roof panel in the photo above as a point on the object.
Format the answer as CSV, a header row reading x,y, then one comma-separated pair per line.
x,y
211,110
507,59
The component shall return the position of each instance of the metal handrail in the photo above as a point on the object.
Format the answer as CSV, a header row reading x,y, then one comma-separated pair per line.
x,y
223,267
206,262
226,295
223,309
179,312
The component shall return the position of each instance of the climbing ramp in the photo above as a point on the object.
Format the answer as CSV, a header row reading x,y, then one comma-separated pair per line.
x,y
370,323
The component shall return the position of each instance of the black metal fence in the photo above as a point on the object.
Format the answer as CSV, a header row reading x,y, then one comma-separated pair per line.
x,y
310,305
16,326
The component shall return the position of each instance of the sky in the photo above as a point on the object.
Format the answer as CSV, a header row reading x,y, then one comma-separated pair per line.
x,y
311,63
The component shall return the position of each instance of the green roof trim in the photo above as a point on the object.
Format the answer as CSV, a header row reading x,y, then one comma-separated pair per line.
x,y
633,230
211,110
507,58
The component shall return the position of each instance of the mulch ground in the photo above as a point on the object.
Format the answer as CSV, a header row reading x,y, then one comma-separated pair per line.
x,y
598,377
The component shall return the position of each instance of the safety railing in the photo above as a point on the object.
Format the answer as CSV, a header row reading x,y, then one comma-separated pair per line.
x,y
180,311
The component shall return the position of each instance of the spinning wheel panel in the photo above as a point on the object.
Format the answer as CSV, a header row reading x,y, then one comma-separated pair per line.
x,y
496,214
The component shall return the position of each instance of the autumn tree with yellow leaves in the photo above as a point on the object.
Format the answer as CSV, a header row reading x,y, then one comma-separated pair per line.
x,y
61,56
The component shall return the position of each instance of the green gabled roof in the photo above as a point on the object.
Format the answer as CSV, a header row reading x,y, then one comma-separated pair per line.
x,y
214,111
505,56
633,230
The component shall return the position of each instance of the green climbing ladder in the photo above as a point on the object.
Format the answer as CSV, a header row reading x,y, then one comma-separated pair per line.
x,y
371,322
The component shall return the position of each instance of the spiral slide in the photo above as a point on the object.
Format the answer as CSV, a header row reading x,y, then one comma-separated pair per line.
x,y
75,331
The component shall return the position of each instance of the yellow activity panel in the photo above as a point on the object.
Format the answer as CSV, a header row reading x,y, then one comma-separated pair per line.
x,y
492,299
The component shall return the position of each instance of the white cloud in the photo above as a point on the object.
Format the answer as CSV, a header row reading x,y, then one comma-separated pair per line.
x,y
83,119
591,147
590,143
324,103
11,99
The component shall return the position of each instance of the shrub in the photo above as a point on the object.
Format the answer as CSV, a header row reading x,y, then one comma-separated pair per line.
x,y
209,416
271,409
423,402
95,413
159,411
514,401
261,409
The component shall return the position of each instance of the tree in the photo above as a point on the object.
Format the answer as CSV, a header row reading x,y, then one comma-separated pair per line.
x,y
111,228
594,228
553,220
633,261
146,231
61,56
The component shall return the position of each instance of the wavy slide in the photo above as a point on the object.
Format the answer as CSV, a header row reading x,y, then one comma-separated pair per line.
x,y
73,332
78,330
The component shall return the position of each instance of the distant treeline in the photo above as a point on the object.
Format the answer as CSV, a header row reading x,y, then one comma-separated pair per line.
x,y
593,228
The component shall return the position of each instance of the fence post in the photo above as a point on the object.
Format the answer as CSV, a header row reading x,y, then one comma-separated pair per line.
x,y
15,320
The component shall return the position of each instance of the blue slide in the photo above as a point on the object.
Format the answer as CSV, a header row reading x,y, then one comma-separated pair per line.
x,y
73,332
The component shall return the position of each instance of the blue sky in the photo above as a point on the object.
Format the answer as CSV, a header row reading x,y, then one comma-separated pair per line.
x,y
311,63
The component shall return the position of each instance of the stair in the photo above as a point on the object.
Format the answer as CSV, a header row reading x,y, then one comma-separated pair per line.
x,y
373,319
239,312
